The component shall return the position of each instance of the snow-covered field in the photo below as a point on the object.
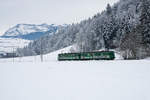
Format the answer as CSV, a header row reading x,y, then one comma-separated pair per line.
x,y
8,44
29,79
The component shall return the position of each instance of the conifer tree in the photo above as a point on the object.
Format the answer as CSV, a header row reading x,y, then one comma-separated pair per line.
x,y
145,21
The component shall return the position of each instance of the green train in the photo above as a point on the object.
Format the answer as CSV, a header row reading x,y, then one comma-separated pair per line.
x,y
99,55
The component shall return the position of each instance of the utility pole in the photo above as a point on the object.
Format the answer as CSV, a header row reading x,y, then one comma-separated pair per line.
x,y
13,54
41,51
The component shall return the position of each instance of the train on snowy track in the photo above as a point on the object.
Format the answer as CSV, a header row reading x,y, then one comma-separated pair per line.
x,y
98,55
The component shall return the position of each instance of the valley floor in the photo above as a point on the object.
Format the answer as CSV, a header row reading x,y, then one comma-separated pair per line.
x,y
87,80
29,79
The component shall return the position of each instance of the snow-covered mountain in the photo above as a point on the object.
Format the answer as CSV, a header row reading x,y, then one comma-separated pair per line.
x,y
30,31
21,35
24,29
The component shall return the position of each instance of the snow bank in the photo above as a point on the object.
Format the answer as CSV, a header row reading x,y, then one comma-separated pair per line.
x,y
87,80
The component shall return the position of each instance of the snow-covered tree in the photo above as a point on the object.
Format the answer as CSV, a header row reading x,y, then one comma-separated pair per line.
x,y
130,44
145,21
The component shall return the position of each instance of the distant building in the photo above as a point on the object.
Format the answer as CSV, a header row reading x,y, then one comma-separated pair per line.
x,y
2,54
8,55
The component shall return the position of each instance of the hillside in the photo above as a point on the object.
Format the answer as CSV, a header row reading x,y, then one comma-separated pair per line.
x,y
123,26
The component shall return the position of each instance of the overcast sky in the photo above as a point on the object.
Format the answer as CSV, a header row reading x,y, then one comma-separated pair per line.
x,y
13,12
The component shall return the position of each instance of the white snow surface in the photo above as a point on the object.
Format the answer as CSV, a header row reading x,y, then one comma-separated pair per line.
x,y
8,44
29,79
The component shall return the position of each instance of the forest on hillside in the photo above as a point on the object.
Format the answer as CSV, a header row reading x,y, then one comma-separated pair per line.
x,y
125,27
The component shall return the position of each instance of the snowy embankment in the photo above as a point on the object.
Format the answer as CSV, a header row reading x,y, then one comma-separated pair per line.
x,y
48,57
29,79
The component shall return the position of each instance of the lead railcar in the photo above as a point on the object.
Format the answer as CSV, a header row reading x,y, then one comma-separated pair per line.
x,y
99,55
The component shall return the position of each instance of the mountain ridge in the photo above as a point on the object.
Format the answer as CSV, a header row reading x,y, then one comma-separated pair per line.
x,y
31,31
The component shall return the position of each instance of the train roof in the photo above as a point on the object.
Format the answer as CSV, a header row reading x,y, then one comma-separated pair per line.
x,y
87,52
